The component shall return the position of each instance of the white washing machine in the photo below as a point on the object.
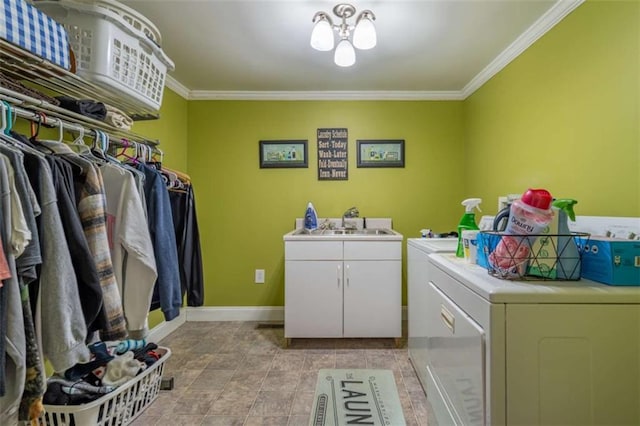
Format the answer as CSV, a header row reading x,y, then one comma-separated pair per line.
x,y
498,352
417,296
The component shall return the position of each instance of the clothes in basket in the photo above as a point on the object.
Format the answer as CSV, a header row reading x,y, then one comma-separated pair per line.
x,y
25,26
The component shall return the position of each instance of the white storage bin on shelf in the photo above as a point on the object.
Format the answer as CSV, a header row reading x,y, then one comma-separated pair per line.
x,y
119,407
115,47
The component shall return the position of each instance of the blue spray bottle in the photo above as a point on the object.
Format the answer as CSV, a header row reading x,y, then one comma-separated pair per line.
x,y
310,218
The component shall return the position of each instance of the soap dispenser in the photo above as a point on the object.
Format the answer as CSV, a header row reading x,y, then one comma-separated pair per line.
x,y
468,221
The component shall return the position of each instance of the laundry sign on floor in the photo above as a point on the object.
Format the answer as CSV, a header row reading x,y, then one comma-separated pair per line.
x,y
356,397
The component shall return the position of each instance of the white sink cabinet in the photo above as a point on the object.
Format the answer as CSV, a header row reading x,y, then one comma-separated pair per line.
x,y
347,287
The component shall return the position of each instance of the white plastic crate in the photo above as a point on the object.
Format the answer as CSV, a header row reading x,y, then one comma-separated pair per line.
x,y
115,47
119,407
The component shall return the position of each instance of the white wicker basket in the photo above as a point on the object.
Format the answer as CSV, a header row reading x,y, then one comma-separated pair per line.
x,y
115,47
119,407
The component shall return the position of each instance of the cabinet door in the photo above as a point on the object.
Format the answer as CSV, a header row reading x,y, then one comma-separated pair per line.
x,y
313,298
372,298
573,364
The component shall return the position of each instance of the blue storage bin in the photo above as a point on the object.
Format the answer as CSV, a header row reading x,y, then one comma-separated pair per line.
x,y
487,242
27,27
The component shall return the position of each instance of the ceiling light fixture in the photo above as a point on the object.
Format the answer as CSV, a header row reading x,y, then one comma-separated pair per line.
x,y
364,33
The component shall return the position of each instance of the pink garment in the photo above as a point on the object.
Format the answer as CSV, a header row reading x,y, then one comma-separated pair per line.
x,y
5,273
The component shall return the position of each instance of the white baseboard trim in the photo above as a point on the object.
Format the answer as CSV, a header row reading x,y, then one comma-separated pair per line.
x,y
223,313
236,313
165,328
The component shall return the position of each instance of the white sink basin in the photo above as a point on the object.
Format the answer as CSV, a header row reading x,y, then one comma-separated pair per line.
x,y
367,233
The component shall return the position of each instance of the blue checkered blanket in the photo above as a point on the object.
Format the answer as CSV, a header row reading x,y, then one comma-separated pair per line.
x,y
24,25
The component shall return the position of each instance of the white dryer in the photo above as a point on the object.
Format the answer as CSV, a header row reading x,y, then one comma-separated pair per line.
x,y
417,296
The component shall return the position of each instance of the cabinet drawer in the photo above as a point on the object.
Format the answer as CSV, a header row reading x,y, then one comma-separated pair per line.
x,y
372,250
314,250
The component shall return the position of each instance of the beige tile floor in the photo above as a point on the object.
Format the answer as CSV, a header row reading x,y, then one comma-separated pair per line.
x,y
238,373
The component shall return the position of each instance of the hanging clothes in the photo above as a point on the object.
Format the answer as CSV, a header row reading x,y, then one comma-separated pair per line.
x,y
30,258
87,247
183,208
166,294
14,369
131,247
34,385
63,331
91,205
84,267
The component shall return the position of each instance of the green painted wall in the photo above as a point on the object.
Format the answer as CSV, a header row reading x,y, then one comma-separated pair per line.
x,y
564,116
244,211
170,129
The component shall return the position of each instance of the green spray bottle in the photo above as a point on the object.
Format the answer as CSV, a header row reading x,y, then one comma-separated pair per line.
x,y
468,221
568,266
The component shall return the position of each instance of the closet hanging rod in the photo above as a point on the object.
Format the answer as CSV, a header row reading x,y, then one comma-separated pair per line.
x,y
69,118
55,121
31,115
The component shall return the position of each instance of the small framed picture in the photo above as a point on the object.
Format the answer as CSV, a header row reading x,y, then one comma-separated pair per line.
x,y
381,153
283,154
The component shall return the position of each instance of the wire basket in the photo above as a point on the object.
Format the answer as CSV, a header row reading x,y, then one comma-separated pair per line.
x,y
119,407
532,257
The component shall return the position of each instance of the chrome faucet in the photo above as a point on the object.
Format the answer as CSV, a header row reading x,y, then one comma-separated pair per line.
x,y
351,213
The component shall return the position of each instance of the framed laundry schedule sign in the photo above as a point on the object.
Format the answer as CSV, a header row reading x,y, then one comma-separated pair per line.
x,y
283,154
333,154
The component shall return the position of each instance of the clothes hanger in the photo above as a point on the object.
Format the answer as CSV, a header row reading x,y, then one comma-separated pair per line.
x,y
60,131
4,122
153,150
80,139
9,138
98,142
126,145
7,123
142,152
5,130
104,148
51,146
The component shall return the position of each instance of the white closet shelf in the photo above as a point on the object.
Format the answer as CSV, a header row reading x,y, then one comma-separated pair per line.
x,y
20,64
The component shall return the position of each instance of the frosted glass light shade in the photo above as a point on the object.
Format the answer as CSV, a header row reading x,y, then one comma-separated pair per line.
x,y
364,35
345,54
322,36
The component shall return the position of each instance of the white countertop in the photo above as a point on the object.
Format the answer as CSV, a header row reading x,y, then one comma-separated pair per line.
x,y
296,236
434,245
498,290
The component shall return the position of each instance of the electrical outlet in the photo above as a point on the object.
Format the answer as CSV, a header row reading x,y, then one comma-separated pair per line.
x,y
259,276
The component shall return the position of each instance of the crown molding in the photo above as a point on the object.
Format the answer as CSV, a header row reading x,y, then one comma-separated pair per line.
x,y
547,21
325,95
555,14
177,87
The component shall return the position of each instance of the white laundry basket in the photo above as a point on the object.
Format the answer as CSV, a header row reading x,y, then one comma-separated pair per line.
x,y
115,47
119,407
